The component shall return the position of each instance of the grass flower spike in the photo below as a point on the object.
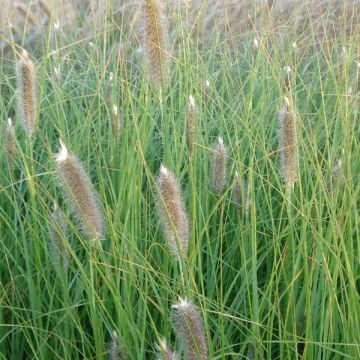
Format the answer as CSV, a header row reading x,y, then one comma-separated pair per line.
x,y
164,352
172,213
219,167
10,142
80,194
27,93
58,249
155,46
191,125
288,146
116,122
189,326
116,351
238,190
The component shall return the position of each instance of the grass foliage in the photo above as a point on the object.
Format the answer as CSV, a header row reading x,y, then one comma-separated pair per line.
x,y
276,276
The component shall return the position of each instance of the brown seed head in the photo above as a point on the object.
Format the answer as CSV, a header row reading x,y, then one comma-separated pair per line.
x,y
172,213
80,194
116,122
155,43
58,250
10,141
165,352
288,147
190,327
219,167
27,93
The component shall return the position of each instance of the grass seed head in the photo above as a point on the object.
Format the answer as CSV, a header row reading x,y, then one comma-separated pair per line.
x,y
59,230
10,142
165,352
172,213
155,42
116,122
219,167
238,191
27,93
288,146
190,328
117,352
80,194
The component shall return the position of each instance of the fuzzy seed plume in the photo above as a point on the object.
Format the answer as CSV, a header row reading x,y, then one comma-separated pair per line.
x,y
189,326
57,76
27,93
207,90
80,194
191,125
59,228
10,143
116,352
238,190
219,167
172,213
155,43
288,146
114,348
109,89
116,122
165,352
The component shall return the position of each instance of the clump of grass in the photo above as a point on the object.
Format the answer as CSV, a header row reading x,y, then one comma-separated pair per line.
x,y
59,229
191,125
219,167
173,215
288,146
27,93
80,194
190,328
155,42
165,352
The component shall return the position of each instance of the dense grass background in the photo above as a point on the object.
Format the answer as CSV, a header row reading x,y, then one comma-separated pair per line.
x,y
280,278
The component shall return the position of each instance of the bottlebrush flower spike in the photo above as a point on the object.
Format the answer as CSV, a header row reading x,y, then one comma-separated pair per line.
x,y
165,352
154,34
288,146
116,122
219,167
58,249
191,125
27,93
238,191
10,141
172,213
190,328
207,90
80,194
